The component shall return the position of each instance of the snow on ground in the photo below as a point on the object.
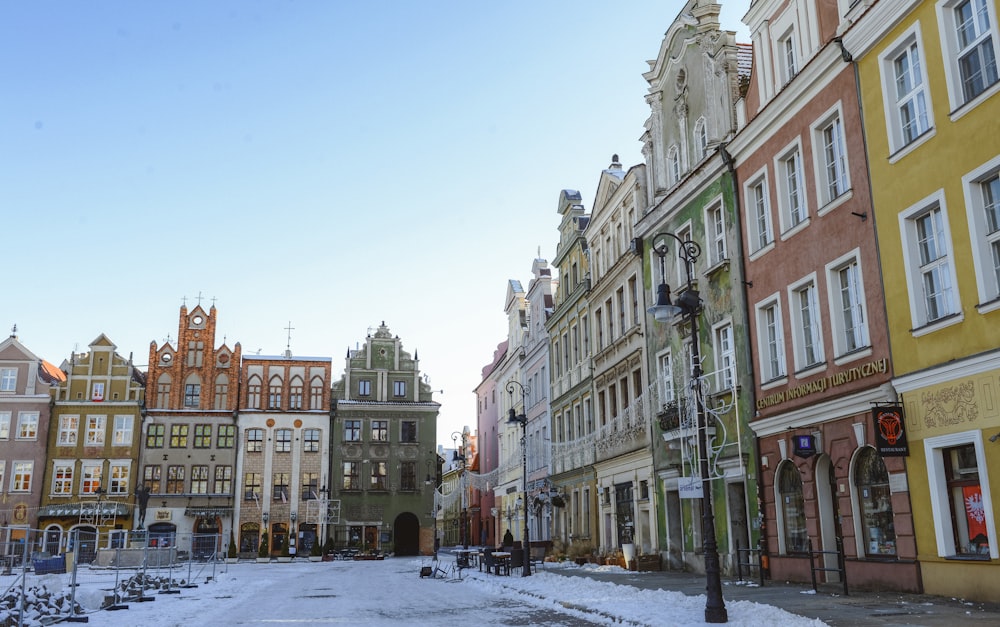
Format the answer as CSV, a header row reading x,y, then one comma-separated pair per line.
x,y
391,592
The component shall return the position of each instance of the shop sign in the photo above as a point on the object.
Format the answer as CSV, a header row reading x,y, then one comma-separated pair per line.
x,y
890,431
804,446
690,487
163,514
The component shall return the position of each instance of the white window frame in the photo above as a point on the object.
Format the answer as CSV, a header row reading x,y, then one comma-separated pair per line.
x,y
685,232
701,138
89,472
724,351
27,425
908,44
95,428
97,392
122,435
715,232
5,417
758,210
68,435
831,168
119,486
18,468
785,192
807,285
787,52
673,165
858,334
62,486
665,368
937,482
919,317
950,48
8,379
3,469
771,341
985,245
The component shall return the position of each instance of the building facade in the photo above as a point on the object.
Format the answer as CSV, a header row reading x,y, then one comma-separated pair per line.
x,y
384,434
91,474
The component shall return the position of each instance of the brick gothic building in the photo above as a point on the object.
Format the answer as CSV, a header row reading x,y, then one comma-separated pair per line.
x,y
189,434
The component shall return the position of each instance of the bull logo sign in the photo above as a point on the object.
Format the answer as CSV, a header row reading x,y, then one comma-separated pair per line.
x,y
890,431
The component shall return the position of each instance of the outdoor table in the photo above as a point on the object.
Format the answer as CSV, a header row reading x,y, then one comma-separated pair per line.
x,y
467,555
503,561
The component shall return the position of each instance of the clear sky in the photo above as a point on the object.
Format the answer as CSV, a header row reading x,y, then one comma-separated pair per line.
x,y
329,164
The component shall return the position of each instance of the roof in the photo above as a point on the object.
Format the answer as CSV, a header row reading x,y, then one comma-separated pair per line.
x,y
49,373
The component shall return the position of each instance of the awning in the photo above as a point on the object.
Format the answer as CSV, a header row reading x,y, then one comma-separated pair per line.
x,y
74,509
209,512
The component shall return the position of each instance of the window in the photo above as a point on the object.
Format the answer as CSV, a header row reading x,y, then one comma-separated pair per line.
x,y
791,198
904,86
927,258
666,377
120,479
380,431
379,476
274,394
175,480
310,440
223,480
806,338
20,480
408,431
253,393
178,436
673,166
255,440
982,201
97,392
364,388
352,430
95,431
700,138
282,440
155,435
352,475
199,479
771,341
8,379
792,508
4,425
151,476
92,477
725,357
163,391
295,394
622,323
969,36
871,481
69,426
203,436
831,160
251,486
960,496
787,57
633,294
310,486
399,389
192,395
715,233
226,436
27,426
122,435
408,476
848,306
62,479
760,233
222,392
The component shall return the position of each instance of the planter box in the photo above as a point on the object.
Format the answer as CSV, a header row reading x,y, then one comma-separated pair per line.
x,y
316,558
284,560
232,560
645,563
263,560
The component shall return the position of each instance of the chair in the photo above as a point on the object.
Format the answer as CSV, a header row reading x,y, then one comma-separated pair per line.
x,y
517,559
488,560
537,555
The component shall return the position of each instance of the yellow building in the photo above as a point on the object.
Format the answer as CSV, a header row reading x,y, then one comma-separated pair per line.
x,y
929,84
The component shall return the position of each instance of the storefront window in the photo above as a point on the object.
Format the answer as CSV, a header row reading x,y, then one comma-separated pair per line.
x,y
965,498
872,482
792,507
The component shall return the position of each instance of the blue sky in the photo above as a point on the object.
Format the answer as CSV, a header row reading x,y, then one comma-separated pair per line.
x,y
329,164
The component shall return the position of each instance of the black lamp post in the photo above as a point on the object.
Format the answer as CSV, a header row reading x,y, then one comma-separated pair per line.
x,y
463,517
522,419
689,304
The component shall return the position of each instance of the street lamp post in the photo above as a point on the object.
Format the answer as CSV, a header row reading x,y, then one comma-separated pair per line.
x,y
689,304
463,514
522,419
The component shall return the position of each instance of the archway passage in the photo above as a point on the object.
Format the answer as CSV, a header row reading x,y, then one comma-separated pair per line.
x,y
406,540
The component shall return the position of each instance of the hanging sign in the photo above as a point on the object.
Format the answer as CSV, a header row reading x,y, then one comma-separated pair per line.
x,y
690,487
804,446
890,431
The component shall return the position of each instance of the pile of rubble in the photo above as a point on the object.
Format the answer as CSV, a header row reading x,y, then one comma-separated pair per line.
x,y
135,587
42,606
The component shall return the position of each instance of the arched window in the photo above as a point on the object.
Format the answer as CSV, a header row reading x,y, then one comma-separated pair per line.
x,y
871,480
700,138
222,392
192,391
274,393
674,165
316,393
295,393
163,391
792,508
253,392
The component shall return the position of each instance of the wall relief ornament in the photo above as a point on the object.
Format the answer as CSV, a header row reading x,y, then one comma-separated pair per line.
x,y
950,406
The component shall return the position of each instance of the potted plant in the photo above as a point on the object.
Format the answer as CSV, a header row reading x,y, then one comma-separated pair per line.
x,y
282,547
264,552
329,553
316,551
231,557
558,500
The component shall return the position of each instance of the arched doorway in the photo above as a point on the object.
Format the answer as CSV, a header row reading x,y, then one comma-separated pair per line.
x,y
406,534
162,534
53,539
826,497
207,534
307,537
83,540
